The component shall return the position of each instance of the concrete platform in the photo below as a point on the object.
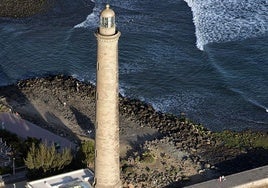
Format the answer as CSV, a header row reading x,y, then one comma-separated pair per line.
x,y
255,178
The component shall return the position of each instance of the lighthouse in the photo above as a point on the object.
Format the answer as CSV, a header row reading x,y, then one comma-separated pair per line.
x,y
107,167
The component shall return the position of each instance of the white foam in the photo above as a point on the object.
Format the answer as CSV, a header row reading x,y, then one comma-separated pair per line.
x,y
254,102
185,102
76,76
85,78
249,99
91,20
228,20
122,91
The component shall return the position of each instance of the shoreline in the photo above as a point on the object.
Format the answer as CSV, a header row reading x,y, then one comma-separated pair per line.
x,y
64,104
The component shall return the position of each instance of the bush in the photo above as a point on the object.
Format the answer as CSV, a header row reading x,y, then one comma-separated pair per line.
x,y
47,159
127,169
5,170
3,108
246,139
147,157
86,153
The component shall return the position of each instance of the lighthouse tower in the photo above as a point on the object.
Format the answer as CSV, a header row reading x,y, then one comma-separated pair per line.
x,y
107,169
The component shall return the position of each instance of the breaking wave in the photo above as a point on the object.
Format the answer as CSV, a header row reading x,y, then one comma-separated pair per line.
x,y
92,19
228,20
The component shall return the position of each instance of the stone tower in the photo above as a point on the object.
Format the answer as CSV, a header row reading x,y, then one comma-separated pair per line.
x,y
107,169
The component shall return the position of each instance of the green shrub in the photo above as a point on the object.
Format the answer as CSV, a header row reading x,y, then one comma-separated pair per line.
x,y
147,157
244,139
86,153
5,170
47,159
127,169
3,108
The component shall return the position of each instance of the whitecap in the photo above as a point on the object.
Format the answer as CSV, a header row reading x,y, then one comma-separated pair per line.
x,y
229,20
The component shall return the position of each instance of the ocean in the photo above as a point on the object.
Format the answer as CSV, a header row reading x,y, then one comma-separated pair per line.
x,y
208,59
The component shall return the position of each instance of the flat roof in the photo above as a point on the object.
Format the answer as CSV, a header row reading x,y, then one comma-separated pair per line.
x,y
75,179
257,177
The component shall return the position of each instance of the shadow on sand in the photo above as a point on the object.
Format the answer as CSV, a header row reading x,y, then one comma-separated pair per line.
x,y
137,146
16,100
84,122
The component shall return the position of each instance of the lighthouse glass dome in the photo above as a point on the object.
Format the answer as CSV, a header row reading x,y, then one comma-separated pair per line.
x,y
107,17
107,22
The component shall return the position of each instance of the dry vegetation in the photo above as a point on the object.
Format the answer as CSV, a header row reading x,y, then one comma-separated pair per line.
x,y
3,108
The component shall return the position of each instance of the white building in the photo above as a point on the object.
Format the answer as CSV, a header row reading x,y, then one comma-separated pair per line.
x,y
82,178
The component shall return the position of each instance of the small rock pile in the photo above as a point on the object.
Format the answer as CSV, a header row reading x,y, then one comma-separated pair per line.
x,y
163,168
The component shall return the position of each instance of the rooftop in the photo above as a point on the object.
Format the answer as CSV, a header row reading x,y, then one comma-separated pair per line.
x,y
255,178
76,179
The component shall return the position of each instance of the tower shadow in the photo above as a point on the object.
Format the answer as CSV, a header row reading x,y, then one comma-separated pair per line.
x,y
137,146
84,122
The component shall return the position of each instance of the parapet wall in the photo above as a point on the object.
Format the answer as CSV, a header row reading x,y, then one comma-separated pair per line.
x,y
255,178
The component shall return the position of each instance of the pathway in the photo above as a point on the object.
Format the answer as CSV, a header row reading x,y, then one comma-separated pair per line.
x,y
23,128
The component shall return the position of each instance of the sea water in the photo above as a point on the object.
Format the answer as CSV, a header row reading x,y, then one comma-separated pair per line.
x,y
208,59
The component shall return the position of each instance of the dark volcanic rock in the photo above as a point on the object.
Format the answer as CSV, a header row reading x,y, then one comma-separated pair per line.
x,y
23,8
177,131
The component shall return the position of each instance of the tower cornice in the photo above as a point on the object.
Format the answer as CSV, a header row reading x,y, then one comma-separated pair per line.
x,y
108,38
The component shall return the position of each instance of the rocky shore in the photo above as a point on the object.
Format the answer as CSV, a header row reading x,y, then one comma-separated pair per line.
x,y
157,149
23,8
